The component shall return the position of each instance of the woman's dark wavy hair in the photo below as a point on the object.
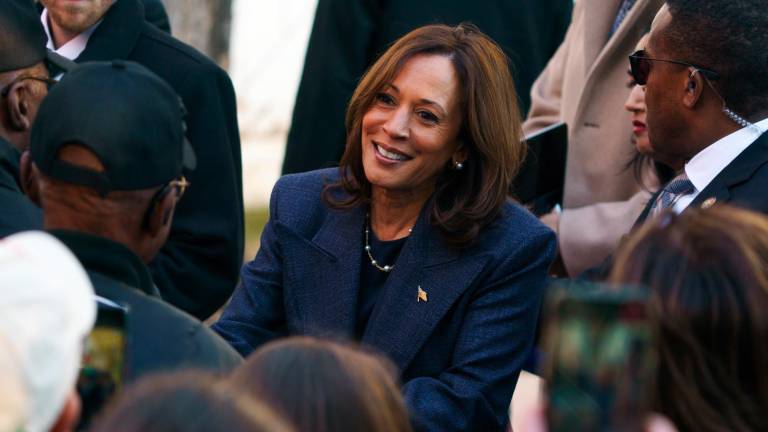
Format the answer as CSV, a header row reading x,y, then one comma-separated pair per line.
x,y
708,275
464,201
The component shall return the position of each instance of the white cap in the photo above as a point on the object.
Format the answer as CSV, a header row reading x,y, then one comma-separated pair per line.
x,y
47,308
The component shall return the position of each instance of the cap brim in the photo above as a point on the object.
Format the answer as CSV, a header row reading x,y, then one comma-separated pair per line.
x,y
64,64
188,158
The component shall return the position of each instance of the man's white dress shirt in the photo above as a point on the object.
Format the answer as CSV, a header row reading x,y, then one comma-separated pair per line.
x,y
74,47
708,163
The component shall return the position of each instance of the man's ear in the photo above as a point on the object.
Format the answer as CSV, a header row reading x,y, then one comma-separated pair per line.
x,y
161,214
694,87
20,106
29,178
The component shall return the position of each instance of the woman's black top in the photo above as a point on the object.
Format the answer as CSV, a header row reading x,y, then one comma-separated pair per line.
x,y
372,280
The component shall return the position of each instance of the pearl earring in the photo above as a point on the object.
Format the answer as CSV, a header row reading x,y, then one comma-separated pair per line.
x,y
458,166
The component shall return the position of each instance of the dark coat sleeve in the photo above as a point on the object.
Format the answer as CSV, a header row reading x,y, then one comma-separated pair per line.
x,y
495,337
256,313
197,269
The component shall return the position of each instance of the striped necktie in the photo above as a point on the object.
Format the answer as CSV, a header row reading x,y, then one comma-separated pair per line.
x,y
676,188
626,5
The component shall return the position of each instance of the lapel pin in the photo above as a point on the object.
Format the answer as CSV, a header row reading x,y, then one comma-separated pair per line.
x,y
421,295
709,202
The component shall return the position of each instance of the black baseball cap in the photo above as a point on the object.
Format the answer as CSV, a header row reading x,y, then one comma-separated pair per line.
x,y
22,37
126,115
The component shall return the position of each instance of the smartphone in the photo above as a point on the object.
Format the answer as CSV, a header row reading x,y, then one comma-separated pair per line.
x,y
598,358
104,359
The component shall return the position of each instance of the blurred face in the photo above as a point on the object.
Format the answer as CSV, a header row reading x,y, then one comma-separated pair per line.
x,y
409,134
635,104
76,16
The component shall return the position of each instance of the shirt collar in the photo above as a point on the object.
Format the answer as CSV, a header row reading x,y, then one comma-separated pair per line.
x,y
708,163
74,47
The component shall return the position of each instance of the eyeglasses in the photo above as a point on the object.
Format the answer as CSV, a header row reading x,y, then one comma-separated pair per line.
x,y
640,67
7,89
179,185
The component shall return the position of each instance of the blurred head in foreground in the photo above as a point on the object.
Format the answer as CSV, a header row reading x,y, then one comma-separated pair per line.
x,y
708,275
190,402
47,308
322,386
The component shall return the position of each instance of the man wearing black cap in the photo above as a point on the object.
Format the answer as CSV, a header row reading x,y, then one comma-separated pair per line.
x,y
23,85
198,267
108,179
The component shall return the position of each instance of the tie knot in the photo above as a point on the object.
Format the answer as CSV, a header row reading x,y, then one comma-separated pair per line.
x,y
679,185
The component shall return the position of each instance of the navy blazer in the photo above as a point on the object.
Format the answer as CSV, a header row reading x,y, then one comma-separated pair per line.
x,y
459,353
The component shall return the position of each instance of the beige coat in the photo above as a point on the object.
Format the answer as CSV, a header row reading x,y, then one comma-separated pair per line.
x,y
585,85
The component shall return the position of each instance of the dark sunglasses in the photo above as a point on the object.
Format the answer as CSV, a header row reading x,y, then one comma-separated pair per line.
x,y
640,67
7,89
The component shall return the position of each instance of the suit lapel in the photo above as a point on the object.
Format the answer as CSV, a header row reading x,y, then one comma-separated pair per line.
x,y
326,273
401,322
117,34
738,171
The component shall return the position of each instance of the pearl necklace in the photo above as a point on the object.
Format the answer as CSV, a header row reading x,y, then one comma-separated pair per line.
x,y
384,268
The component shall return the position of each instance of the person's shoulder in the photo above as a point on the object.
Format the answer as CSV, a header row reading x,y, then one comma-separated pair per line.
x,y
168,49
182,331
306,186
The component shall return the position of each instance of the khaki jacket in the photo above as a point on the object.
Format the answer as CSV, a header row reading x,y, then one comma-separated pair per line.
x,y
585,85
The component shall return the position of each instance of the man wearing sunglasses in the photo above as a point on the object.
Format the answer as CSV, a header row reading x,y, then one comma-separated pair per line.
x,y
584,85
23,85
704,71
109,176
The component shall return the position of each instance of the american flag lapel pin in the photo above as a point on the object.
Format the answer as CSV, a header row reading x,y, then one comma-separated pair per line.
x,y
421,295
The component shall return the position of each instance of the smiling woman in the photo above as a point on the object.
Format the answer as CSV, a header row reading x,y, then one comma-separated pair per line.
x,y
411,246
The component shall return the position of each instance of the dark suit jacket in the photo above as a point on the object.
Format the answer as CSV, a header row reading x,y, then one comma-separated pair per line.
x,y
349,35
198,267
459,353
743,183
154,13
18,212
160,338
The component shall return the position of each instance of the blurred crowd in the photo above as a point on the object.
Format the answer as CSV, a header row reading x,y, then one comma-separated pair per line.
x,y
400,284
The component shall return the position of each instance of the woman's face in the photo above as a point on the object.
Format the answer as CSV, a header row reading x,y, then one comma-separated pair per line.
x,y
409,134
635,104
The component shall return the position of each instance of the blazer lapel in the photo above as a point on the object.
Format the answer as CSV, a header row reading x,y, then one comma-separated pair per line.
x,y
738,171
402,322
117,34
326,273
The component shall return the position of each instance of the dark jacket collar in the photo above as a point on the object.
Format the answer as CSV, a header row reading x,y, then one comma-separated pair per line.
x,y
117,34
737,172
108,258
9,165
